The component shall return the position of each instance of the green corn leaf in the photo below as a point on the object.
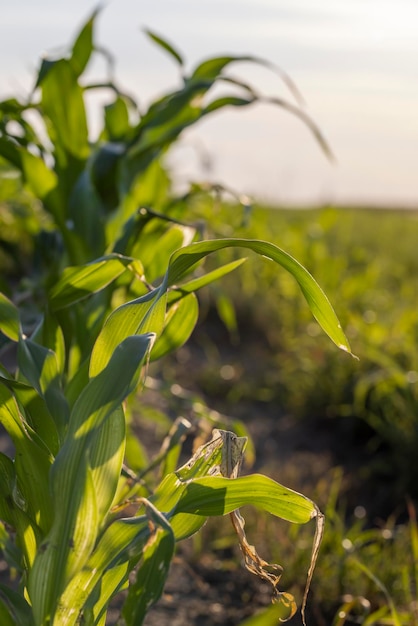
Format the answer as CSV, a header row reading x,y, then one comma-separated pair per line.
x,y
172,444
76,523
62,102
44,184
18,610
79,282
143,315
7,617
10,151
106,570
9,318
152,574
67,546
12,513
166,46
106,459
38,419
212,69
116,118
32,462
216,495
220,103
50,335
147,314
155,248
183,260
271,616
86,213
105,163
40,178
40,367
195,284
83,46
179,324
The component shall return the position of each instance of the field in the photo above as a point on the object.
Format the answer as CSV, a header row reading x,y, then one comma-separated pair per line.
x,y
342,431
168,358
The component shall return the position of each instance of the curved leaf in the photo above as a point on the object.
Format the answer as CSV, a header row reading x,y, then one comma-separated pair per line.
x,y
187,257
165,45
216,495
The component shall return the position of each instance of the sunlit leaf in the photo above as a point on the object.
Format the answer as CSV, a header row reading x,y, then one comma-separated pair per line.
x,y
9,318
184,259
79,282
217,495
179,324
41,368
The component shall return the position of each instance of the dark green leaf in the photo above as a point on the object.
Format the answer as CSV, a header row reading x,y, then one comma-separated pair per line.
x,y
166,46
17,607
10,151
152,573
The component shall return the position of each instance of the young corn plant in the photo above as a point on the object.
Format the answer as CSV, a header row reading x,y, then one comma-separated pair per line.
x,y
119,289
64,491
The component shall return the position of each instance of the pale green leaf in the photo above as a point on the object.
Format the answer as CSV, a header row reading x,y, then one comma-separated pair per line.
x,y
32,462
143,315
9,318
216,495
76,521
179,324
271,616
79,282
117,119
106,459
40,367
62,102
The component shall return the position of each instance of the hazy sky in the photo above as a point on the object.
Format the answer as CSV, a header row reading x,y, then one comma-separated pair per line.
x,y
356,63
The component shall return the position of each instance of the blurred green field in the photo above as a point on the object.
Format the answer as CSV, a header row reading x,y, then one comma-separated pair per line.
x,y
366,262
274,356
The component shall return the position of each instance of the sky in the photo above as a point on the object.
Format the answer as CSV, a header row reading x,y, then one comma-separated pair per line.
x,y
355,63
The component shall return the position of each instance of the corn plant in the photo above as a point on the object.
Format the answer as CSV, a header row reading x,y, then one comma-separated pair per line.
x,y
119,289
64,490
